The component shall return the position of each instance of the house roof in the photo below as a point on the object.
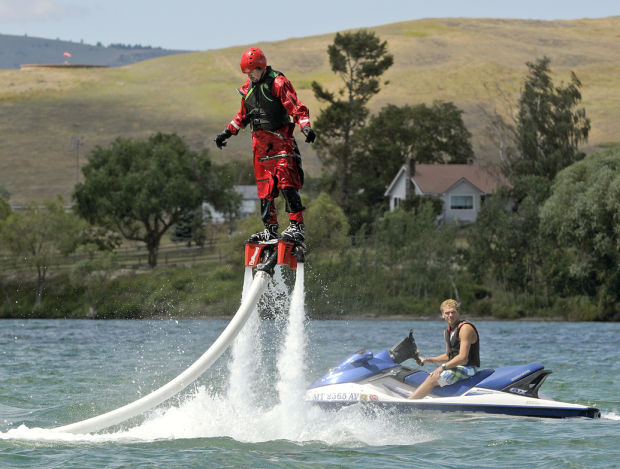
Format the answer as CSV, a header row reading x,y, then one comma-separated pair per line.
x,y
438,178
399,174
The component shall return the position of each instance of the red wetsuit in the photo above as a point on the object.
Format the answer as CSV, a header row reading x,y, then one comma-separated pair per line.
x,y
267,106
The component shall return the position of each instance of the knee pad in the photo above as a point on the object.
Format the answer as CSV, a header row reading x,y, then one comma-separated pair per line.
x,y
293,201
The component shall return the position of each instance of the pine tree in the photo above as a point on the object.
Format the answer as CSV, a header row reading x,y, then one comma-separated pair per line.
x,y
549,126
359,58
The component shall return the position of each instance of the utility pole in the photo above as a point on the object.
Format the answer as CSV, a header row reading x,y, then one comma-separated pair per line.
x,y
76,142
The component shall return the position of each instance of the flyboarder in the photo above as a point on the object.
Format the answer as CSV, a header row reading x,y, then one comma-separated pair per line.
x,y
268,102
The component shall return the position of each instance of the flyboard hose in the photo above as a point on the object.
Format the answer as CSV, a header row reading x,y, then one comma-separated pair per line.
x,y
94,424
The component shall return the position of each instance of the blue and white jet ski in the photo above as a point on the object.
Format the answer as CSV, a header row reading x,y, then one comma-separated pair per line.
x,y
379,380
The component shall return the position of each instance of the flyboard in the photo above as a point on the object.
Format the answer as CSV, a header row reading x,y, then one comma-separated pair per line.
x,y
262,256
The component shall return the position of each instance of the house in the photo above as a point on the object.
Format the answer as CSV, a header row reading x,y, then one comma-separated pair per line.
x,y
461,187
249,202
249,199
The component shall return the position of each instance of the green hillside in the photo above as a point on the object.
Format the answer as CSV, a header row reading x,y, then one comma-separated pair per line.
x,y
193,94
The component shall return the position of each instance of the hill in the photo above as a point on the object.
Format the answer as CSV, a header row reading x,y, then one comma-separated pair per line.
x,y
16,51
476,63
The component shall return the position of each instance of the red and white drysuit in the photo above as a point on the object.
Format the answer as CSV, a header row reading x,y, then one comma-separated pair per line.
x,y
267,107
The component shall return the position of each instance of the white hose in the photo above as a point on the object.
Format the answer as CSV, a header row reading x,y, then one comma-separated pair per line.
x,y
94,424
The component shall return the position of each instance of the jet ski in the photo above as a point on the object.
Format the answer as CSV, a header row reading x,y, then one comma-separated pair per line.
x,y
378,380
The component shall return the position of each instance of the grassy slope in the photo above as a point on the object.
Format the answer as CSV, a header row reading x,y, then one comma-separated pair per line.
x,y
461,60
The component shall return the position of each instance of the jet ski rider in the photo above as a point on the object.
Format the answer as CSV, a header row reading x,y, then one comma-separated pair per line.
x,y
268,100
462,356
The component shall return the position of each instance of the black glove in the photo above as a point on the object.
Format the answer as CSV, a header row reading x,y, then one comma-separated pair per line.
x,y
220,140
309,133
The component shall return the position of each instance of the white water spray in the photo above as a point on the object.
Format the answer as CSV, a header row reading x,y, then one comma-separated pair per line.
x,y
246,353
245,366
278,296
292,360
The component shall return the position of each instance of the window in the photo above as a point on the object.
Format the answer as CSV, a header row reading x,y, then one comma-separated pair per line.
x,y
462,202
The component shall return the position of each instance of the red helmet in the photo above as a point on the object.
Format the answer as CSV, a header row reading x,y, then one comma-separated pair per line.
x,y
253,58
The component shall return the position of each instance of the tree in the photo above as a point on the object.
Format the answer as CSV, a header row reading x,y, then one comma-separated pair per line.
x,y
428,134
582,217
507,243
190,228
549,127
327,224
418,254
5,209
92,272
489,242
4,194
359,58
36,236
182,230
142,187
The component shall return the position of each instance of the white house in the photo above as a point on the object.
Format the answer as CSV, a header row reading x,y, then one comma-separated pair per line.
x,y
249,202
461,187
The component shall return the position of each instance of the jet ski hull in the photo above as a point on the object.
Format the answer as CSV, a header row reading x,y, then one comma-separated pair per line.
x,y
499,403
377,381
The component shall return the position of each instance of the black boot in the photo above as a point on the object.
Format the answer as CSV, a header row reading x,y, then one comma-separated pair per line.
x,y
270,232
295,232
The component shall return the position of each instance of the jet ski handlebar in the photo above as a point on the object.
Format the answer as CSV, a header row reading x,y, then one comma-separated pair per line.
x,y
405,349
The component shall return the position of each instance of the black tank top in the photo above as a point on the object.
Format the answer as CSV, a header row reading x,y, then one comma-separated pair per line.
x,y
454,344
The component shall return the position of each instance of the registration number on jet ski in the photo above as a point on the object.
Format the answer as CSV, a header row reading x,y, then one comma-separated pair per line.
x,y
336,396
344,396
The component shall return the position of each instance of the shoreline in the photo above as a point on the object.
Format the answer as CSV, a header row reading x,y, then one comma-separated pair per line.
x,y
346,317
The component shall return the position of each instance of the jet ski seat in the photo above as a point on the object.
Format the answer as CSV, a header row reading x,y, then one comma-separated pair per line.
x,y
456,389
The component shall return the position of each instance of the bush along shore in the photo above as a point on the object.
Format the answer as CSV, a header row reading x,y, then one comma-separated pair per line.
x,y
337,288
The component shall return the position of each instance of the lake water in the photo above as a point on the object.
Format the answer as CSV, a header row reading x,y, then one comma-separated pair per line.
x,y
247,410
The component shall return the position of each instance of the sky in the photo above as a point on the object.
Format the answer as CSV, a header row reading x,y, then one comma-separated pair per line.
x,y
208,24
